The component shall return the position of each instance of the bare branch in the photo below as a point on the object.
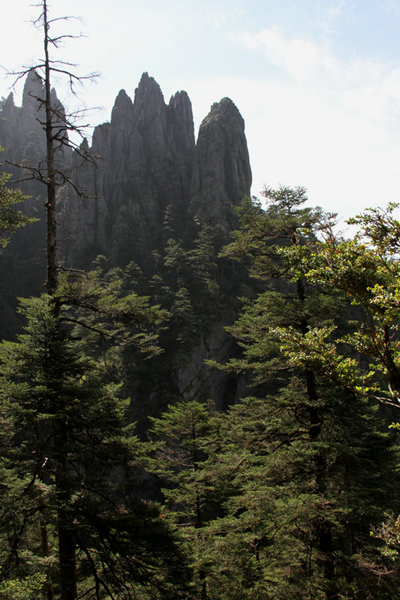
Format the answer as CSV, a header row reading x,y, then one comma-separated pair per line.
x,y
65,18
56,40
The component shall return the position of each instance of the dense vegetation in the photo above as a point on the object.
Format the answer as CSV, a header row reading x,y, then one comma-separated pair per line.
x,y
291,492
284,487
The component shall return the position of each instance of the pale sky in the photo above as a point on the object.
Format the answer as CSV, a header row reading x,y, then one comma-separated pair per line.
x,y
317,81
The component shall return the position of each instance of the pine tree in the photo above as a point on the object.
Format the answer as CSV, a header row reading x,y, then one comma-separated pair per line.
x,y
302,456
10,219
182,439
68,458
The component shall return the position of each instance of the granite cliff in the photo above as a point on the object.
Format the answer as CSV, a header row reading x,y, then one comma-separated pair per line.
x,y
147,161
157,200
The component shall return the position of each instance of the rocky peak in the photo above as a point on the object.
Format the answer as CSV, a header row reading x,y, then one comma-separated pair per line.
x,y
8,107
33,108
180,121
33,89
223,174
123,109
148,160
149,105
225,110
19,125
8,123
181,104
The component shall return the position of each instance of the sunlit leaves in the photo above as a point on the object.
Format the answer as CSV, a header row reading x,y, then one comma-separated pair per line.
x,y
366,270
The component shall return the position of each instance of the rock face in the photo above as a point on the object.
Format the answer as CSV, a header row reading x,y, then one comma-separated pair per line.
x,y
148,164
147,161
222,173
19,126
23,263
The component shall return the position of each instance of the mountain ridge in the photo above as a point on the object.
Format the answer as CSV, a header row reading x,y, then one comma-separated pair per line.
x,y
149,160
158,201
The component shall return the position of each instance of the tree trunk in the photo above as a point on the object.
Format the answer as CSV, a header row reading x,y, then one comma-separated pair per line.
x,y
51,237
44,538
65,529
65,526
323,536
66,543
325,550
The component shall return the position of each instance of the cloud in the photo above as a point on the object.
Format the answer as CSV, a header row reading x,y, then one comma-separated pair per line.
x,y
220,18
300,58
392,7
359,87
316,120
335,10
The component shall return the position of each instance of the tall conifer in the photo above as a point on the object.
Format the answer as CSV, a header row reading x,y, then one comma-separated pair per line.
x,y
310,470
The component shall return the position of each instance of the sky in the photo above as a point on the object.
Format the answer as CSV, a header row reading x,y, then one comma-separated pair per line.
x,y
316,81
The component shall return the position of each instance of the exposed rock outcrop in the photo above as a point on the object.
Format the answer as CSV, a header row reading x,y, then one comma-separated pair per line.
x,y
222,173
148,160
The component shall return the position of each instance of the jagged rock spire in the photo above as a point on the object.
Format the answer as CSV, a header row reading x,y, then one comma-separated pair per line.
x,y
148,160
223,174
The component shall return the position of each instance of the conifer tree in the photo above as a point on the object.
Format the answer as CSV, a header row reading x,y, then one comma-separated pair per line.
x,y
182,439
68,458
10,219
302,457
66,450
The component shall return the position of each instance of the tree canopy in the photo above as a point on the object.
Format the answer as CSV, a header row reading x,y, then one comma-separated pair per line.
x,y
10,219
288,490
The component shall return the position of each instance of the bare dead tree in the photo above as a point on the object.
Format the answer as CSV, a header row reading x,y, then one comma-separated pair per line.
x,y
58,127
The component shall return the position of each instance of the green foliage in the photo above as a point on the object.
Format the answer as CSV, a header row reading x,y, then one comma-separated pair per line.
x,y
284,496
365,270
10,219
185,276
306,469
25,589
279,487
246,497
181,442
68,457
285,222
97,302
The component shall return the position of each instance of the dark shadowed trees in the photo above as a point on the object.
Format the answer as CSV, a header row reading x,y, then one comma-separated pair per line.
x,y
307,468
68,453
70,461
10,219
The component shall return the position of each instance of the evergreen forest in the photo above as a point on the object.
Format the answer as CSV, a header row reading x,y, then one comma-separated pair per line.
x,y
215,420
